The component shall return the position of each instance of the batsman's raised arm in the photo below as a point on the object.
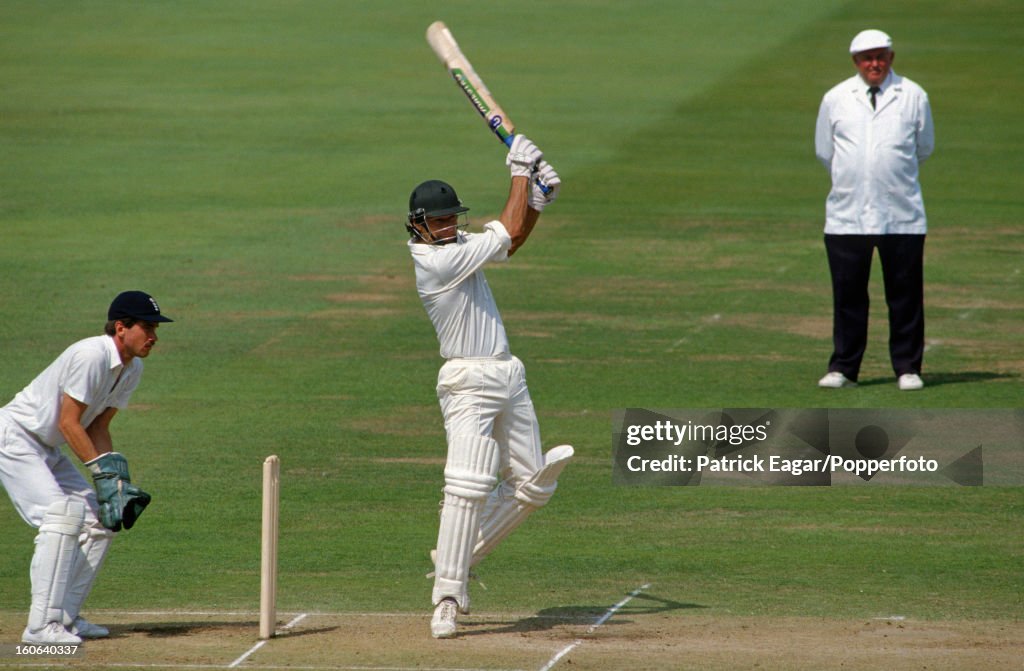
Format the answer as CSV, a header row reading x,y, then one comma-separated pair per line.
x,y
535,185
517,218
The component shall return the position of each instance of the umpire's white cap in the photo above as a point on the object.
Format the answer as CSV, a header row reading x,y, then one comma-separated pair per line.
x,y
870,39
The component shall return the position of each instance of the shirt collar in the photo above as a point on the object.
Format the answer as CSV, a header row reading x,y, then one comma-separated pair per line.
x,y
113,358
891,81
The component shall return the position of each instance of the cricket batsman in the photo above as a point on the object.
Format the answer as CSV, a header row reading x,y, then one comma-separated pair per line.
x,y
495,475
73,401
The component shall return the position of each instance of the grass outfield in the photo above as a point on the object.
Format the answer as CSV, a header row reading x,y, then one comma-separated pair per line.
x,y
249,165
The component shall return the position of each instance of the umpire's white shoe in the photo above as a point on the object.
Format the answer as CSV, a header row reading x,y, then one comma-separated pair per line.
x,y
442,625
836,380
85,629
910,382
53,632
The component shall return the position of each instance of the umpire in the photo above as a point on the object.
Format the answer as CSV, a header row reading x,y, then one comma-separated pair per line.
x,y
873,131
73,402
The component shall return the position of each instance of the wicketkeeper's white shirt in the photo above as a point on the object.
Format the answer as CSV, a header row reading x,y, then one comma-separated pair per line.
x,y
873,156
89,371
455,293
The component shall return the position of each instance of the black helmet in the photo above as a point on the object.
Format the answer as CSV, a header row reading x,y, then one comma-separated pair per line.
x,y
434,198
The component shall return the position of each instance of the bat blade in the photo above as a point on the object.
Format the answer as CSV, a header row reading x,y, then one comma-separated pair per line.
x,y
461,70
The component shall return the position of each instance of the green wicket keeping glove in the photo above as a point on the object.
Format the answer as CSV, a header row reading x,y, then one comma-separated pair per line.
x,y
120,501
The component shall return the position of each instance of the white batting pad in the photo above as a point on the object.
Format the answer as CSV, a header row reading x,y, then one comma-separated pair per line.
x,y
508,513
53,561
469,478
93,542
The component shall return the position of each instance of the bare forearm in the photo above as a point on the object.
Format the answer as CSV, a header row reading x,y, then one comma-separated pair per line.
x,y
86,443
517,217
82,444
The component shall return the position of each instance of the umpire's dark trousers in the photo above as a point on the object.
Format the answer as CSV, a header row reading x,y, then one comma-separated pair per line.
x,y
849,261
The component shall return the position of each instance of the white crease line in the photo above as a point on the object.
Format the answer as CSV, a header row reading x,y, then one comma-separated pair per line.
x,y
288,667
250,651
604,618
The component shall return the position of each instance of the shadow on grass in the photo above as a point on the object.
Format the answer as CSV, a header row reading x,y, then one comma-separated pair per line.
x,y
940,379
175,629
550,618
172,629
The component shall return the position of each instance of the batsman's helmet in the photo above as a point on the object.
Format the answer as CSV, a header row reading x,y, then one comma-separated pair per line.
x,y
432,198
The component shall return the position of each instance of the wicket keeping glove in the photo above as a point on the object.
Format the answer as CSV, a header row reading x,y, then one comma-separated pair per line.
x,y
544,186
120,501
522,157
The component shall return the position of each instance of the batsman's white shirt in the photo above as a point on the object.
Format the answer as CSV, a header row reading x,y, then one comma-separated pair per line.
x,y
456,295
873,156
89,371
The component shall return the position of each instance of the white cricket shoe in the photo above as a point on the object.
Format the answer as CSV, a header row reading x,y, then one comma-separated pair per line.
x,y
836,380
910,382
54,632
85,629
442,625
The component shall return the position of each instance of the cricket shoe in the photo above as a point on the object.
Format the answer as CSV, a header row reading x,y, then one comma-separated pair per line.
x,y
85,629
442,625
53,632
910,382
835,380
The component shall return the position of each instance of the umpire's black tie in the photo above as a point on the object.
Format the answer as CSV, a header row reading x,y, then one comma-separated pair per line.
x,y
873,91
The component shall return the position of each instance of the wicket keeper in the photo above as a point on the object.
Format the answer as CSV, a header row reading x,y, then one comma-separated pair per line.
x,y
73,401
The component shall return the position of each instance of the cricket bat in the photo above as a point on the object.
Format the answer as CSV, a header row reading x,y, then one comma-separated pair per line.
x,y
461,70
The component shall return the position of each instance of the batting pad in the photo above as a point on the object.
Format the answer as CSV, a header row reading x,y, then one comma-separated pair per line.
x,y
53,561
469,478
93,543
509,513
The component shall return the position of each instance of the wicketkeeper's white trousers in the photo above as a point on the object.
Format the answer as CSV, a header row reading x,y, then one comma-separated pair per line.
x,y
35,478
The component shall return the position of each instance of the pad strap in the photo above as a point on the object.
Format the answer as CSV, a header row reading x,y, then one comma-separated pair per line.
x,y
470,472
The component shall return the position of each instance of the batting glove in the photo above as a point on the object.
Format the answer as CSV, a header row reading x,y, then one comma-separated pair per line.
x,y
544,186
522,157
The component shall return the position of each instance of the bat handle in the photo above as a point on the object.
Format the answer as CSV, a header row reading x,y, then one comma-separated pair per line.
x,y
508,139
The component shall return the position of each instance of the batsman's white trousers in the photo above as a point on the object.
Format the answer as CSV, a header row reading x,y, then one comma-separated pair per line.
x,y
489,397
486,398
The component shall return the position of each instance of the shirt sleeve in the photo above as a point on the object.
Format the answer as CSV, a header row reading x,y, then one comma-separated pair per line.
x,y
454,263
823,144
83,376
925,131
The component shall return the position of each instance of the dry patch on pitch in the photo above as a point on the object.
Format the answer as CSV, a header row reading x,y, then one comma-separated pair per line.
x,y
639,639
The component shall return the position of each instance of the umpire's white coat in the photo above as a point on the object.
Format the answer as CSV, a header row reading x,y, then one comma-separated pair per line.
x,y
873,156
